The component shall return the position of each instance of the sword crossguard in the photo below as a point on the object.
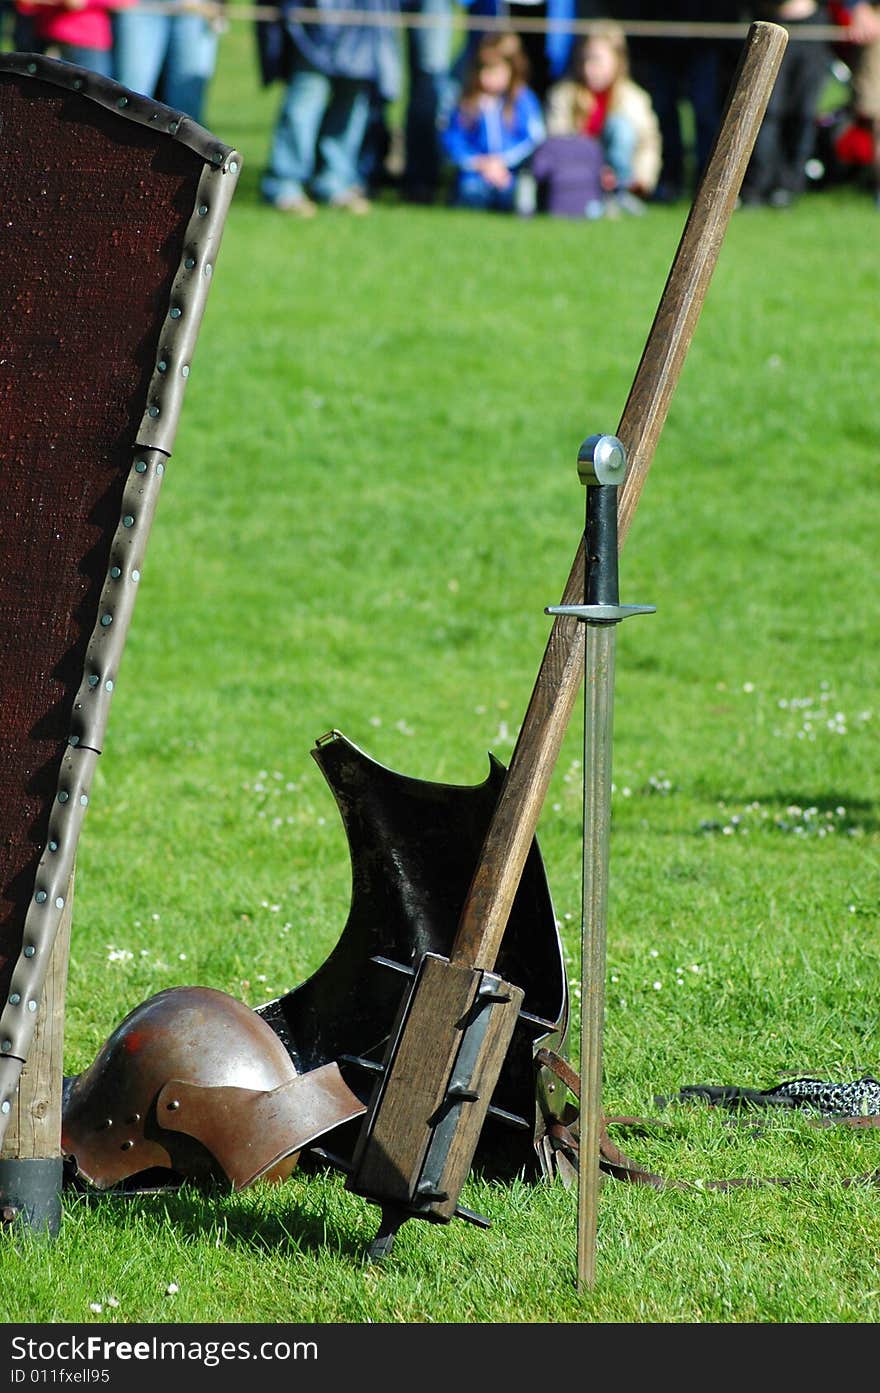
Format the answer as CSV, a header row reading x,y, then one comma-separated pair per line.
x,y
601,614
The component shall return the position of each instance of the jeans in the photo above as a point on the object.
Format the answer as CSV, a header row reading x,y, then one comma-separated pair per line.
x,y
181,50
684,70
317,137
428,55
473,191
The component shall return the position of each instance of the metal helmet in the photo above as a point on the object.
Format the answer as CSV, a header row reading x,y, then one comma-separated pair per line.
x,y
195,1082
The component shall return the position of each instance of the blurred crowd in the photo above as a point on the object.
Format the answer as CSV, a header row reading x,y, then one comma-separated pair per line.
x,y
496,105
148,48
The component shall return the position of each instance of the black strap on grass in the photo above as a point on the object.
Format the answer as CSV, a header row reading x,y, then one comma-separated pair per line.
x,y
564,1136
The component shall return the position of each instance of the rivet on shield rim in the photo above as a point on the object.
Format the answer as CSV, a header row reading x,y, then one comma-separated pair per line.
x,y
30,951
15,998
63,796
5,1106
41,897
106,620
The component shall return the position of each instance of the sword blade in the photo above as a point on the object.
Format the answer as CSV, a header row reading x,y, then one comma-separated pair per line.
x,y
598,740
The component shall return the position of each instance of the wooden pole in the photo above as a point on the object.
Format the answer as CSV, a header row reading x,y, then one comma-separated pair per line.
x,y
497,878
31,1165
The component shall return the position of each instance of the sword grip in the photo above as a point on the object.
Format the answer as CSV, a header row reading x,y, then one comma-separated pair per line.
x,y
600,541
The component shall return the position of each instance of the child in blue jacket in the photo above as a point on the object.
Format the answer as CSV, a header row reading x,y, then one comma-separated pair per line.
x,y
495,127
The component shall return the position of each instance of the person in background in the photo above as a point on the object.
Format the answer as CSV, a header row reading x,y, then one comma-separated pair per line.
x,y
170,57
331,73
568,171
548,51
429,56
601,103
678,70
410,158
777,175
494,128
77,31
862,56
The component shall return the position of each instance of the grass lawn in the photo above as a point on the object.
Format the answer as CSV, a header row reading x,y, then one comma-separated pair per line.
x,y
372,498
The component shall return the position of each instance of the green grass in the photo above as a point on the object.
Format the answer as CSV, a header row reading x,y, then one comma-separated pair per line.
x,y
372,498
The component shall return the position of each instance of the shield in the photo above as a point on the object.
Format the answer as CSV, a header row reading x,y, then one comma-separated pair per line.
x,y
113,208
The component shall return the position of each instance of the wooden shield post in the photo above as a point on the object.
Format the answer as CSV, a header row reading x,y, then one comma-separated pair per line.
x,y
113,209
30,1165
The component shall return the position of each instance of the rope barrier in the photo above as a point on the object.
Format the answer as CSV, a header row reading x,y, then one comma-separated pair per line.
x,y
633,28
661,29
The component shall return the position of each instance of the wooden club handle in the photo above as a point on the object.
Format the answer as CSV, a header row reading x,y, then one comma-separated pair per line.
x,y
491,894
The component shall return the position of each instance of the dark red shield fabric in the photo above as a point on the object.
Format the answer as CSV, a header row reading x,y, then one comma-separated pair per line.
x,y
93,210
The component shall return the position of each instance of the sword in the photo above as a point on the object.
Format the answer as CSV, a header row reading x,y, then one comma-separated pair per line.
x,y
602,468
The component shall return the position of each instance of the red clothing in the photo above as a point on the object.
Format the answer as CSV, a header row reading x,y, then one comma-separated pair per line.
x,y
88,27
596,119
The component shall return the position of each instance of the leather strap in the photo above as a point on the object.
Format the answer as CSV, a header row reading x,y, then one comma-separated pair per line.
x,y
614,1162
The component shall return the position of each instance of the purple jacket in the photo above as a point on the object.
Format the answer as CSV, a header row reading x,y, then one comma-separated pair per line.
x,y
568,169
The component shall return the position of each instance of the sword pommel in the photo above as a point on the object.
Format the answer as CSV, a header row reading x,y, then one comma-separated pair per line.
x,y
602,460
